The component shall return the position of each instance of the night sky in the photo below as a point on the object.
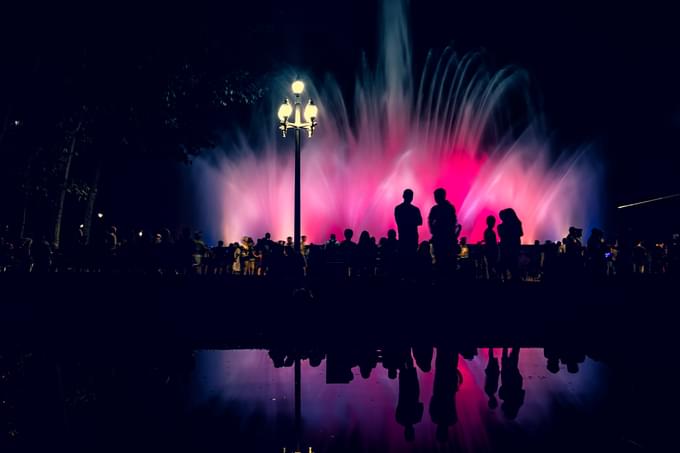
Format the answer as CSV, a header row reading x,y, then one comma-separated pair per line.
x,y
607,75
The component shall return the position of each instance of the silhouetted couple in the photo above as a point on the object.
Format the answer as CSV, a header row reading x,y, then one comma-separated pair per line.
x,y
443,226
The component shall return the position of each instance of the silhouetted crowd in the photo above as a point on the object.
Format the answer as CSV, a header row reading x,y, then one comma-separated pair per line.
x,y
400,254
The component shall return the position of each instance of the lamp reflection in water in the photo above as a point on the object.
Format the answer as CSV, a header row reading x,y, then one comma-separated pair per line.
x,y
298,409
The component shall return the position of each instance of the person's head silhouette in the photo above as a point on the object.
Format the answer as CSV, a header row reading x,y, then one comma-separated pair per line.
x,y
364,237
267,236
391,234
348,234
440,195
575,232
508,215
490,221
408,196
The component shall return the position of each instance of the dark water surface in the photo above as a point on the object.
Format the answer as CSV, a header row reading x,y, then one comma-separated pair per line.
x,y
239,401
187,365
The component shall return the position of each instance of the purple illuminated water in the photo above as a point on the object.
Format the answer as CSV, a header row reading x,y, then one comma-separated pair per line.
x,y
360,416
459,125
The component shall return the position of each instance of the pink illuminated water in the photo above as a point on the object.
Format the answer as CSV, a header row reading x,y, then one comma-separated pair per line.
x,y
459,125
360,416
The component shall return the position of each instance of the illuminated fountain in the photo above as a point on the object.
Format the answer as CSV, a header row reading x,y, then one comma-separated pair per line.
x,y
460,125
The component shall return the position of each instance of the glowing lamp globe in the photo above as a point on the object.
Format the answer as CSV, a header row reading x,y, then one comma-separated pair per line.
x,y
285,110
298,87
311,111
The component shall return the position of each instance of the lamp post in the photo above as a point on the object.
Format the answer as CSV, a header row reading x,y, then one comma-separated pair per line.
x,y
297,124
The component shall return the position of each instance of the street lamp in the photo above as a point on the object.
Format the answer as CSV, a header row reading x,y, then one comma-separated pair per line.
x,y
297,124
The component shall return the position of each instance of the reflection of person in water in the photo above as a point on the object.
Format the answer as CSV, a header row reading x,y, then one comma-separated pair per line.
x,y
409,408
423,355
511,391
446,382
572,358
492,372
395,357
367,359
553,359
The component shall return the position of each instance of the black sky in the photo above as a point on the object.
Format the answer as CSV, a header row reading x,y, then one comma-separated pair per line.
x,y
607,74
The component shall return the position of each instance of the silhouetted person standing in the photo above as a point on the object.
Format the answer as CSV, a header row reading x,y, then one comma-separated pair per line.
x,y
220,258
348,252
265,248
408,220
409,407
640,258
597,254
490,247
365,255
389,254
510,232
443,226
574,251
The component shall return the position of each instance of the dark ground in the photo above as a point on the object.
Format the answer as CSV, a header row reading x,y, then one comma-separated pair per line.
x,y
198,312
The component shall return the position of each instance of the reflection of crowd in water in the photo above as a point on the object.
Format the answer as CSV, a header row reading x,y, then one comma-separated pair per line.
x,y
500,255
503,379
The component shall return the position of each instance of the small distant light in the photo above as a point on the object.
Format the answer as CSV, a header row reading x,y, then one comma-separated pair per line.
x,y
100,215
82,226
140,234
17,122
